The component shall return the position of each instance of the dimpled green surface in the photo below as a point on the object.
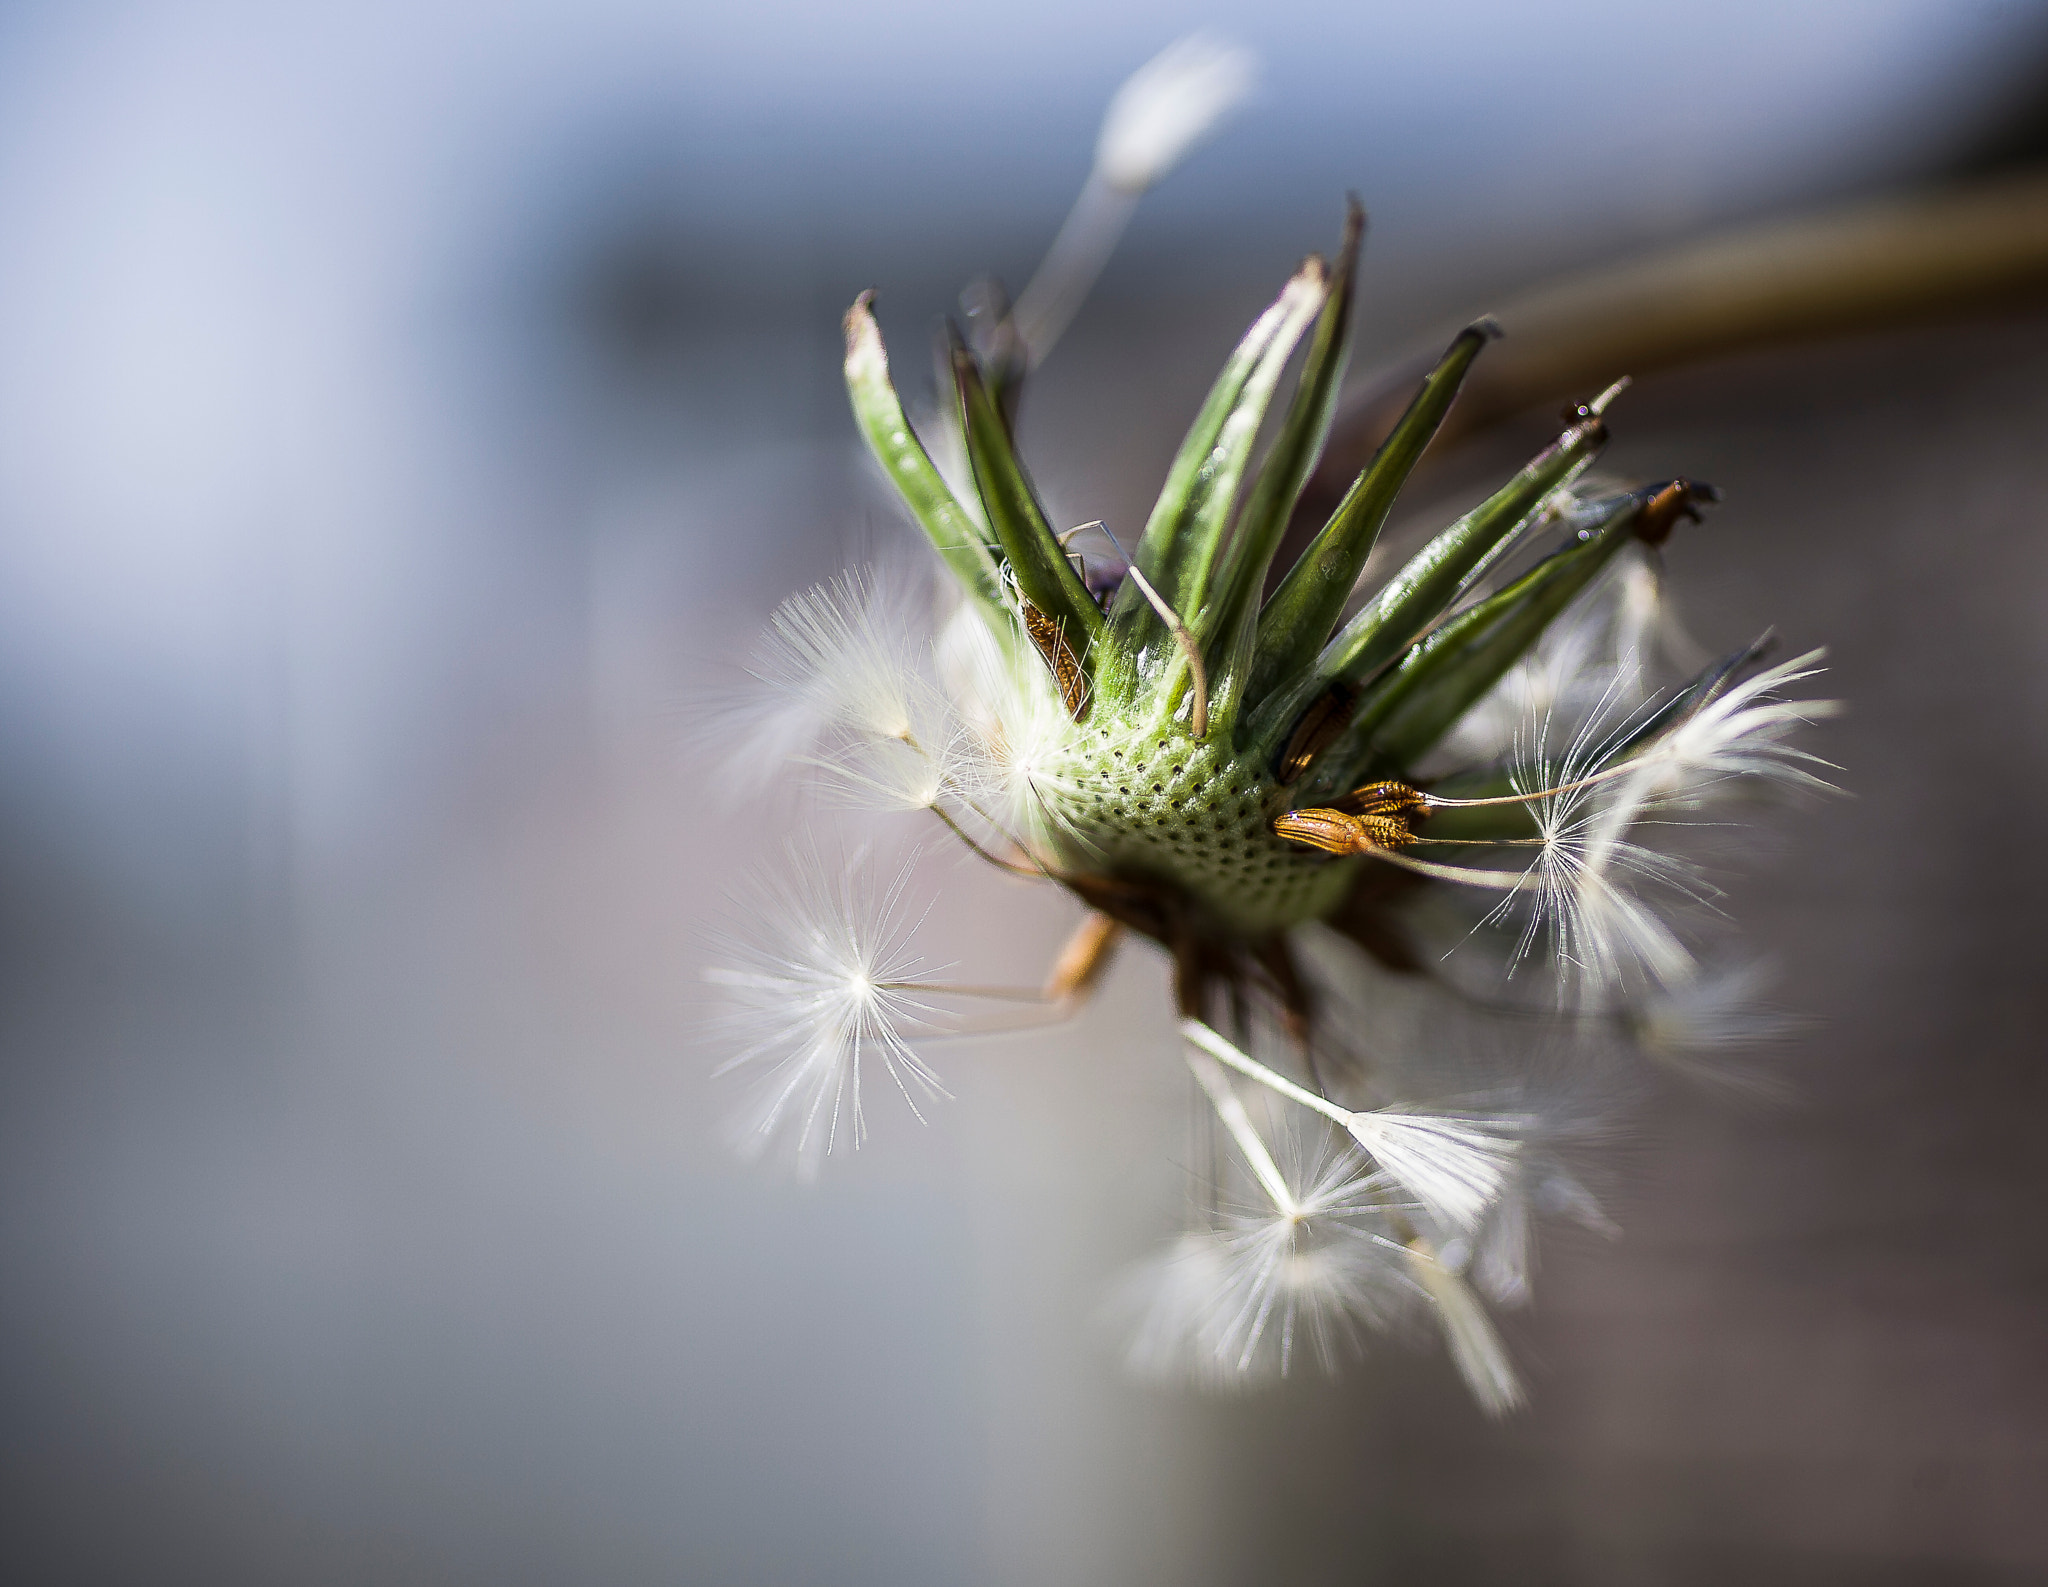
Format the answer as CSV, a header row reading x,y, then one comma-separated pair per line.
x,y
1148,801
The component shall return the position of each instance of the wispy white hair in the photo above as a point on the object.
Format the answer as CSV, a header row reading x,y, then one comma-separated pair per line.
x,y
817,981
1739,734
1244,1296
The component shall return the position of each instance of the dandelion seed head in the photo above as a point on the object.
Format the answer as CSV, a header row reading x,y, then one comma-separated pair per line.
x,y
1713,1012
1702,1029
889,774
1590,887
1175,1295
936,762
1060,739
1502,1257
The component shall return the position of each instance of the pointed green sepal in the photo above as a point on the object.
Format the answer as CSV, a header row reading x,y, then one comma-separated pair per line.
x,y
1225,621
879,413
1427,586
1404,715
1451,563
1044,576
998,345
1188,524
1297,621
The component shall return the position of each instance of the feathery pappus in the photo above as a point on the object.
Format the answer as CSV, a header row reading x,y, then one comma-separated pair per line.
x,y
1304,794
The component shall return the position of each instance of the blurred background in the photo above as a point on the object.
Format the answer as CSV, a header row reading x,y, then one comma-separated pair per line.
x,y
407,412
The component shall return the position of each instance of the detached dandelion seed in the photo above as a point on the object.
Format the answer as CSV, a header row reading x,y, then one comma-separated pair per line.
x,y
1276,1284
1168,106
822,983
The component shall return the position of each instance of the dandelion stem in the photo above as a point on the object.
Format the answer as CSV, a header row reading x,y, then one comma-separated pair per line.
x,y
1000,994
1500,881
1620,769
1230,1109
1045,1017
1206,1037
1482,843
1084,958
1014,841
947,785
1035,872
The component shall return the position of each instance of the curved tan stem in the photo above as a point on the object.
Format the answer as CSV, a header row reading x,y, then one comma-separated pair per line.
x,y
1863,267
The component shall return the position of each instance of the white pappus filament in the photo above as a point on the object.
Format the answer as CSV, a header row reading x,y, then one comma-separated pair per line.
x,y
821,983
1739,733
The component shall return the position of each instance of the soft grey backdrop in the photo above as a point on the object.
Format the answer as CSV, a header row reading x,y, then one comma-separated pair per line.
x,y
404,411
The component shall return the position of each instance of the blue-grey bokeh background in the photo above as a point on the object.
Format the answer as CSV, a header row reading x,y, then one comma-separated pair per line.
x,y
404,410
